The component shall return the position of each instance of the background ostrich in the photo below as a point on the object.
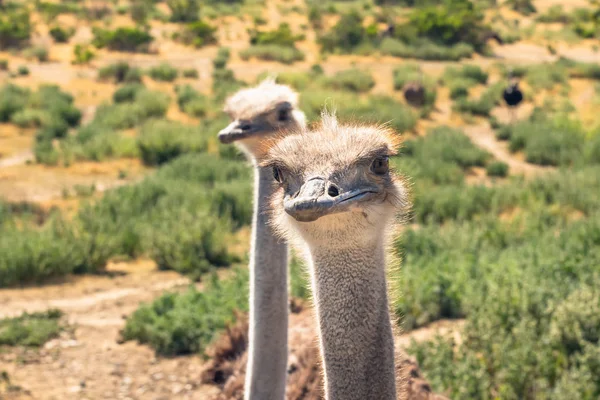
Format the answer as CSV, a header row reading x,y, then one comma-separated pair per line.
x,y
513,96
337,200
257,114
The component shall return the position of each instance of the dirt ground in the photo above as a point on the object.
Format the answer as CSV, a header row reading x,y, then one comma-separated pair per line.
x,y
88,361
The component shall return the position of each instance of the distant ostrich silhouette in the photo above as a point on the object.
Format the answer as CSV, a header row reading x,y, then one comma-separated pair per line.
x,y
414,91
337,199
257,115
513,96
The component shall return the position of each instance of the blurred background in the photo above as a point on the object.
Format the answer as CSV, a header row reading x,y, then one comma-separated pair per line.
x,y
125,225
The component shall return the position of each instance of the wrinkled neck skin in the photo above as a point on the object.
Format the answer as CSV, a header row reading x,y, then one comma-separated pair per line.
x,y
350,292
267,355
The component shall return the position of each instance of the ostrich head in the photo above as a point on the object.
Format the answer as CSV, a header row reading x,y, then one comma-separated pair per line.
x,y
259,113
335,184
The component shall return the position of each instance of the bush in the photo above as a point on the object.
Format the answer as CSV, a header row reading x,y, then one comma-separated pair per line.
x,y
347,35
353,79
184,10
147,104
162,141
15,28
32,330
425,50
163,72
554,14
592,147
282,54
187,323
191,101
82,54
199,34
192,251
120,72
122,39
550,142
127,92
12,100
472,73
525,7
3,65
222,58
482,106
23,70
190,73
61,35
497,168
546,76
282,36
40,53
406,73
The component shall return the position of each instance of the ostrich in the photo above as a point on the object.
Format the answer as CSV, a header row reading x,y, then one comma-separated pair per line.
x,y
414,91
512,96
258,114
336,199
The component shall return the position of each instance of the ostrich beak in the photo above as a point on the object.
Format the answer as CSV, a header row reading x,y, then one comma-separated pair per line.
x,y
235,131
319,197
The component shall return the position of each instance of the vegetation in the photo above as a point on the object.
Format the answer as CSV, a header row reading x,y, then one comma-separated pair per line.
x,y
122,39
353,79
163,72
15,28
199,34
82,54
61,35
32,330
187,323
120,72
277,45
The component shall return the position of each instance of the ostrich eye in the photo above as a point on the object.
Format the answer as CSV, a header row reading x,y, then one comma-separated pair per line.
x,y
381,165
277,174
282,115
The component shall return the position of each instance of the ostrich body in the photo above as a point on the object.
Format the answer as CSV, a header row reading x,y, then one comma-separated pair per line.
x,y
414,93
337,200
257,114
513,96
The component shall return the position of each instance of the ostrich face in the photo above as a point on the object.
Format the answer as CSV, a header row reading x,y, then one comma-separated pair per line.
x,y
260,112
335,182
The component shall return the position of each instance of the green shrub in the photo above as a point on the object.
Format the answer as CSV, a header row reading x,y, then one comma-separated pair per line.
x,y
504,132
555,14
592,148
549,142
482,106
282,36
127,92
184,10
347,35
122,39
3,65
61,35
425,50
222,58
120,72
147,104
192,251
497,168
199,34
191,101
22,70
15,28
31,330
187,323
162,141
190,73
467,72
163,72
352,79
82,54
40,53
12,100
546,76
525,7
405,73
273,52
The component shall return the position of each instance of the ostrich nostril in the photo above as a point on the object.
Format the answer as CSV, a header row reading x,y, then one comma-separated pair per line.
x,y
333,191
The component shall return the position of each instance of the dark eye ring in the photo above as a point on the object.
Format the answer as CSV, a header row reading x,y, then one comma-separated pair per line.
x,y
277,174
381,165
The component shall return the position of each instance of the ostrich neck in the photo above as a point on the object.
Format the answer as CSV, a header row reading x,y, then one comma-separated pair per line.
x,y
267,354
355,331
